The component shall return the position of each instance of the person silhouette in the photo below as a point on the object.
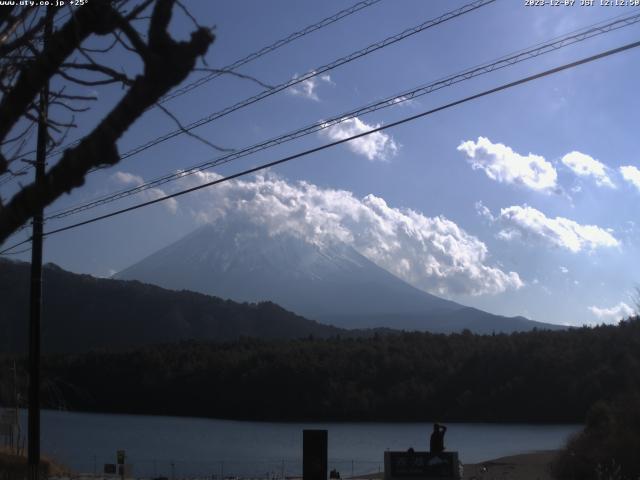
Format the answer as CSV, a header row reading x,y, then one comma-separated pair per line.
x,y
437,438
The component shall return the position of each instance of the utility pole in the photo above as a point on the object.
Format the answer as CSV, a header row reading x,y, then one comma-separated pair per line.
x,y
33,450
16,395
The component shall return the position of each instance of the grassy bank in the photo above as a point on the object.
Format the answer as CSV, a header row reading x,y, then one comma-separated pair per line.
x,y
14,467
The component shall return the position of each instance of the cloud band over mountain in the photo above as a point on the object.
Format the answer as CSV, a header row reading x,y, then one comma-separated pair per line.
x,y
431,253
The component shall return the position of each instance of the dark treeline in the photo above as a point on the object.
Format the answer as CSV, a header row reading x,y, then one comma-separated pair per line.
x,y
539,376
81,312
608,446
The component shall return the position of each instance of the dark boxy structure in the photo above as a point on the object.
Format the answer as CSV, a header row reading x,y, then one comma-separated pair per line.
x,y
314,454
412,465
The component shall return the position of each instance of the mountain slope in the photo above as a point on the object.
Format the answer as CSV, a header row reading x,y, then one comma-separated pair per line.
x,y
81,312
244,263
332,284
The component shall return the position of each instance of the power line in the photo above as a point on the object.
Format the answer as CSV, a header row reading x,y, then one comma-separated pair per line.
x,y
7,251
411,118
502,62
12,176
19,252
270,48
312,73
296,80
236,64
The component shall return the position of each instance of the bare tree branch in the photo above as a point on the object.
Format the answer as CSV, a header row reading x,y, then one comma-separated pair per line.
x,y
92,83
188,14
86,98
27,36
166,64
235,74
138,10
102,50
95,17
190,133
138,45
69,107
95,67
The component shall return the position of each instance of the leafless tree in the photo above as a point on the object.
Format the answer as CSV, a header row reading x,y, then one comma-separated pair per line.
x,y
71,60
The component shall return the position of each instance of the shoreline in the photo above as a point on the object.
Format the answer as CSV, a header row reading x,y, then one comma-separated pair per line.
x,y
310,421
523,466
534,465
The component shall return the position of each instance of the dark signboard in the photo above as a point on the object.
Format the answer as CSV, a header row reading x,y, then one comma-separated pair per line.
x,y
314,454
405,465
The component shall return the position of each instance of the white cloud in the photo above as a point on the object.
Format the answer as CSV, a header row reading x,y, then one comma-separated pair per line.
x,y
612,314
405,101
527,222
307,88
585,166
431,253
564,269
631,174
126,178
483,211
502,164
129,179
375,146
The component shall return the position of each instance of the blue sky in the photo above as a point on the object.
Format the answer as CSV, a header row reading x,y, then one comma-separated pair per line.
x,y
519,203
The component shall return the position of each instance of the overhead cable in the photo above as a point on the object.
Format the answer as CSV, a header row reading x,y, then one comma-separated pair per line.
x,y
411,118
502,62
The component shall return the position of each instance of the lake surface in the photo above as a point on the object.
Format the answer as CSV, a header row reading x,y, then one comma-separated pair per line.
x,y
197,447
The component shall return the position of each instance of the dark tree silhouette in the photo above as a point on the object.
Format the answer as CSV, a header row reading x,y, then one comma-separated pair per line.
x,y
26,65
608,445
537,376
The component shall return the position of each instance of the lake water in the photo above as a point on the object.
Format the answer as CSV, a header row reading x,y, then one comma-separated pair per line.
x,y
197,447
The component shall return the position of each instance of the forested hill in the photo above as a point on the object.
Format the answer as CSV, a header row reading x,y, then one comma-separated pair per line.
x,y
539,376
81,312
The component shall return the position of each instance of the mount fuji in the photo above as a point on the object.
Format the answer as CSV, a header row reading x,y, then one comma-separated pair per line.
x,y
333,284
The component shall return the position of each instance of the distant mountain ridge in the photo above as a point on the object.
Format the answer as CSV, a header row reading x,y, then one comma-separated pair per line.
x,y
332,284
81,312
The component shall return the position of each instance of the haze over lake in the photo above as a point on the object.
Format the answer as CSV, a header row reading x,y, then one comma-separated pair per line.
x,y
198,446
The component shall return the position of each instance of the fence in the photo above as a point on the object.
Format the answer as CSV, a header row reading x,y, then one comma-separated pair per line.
x,y
272,469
